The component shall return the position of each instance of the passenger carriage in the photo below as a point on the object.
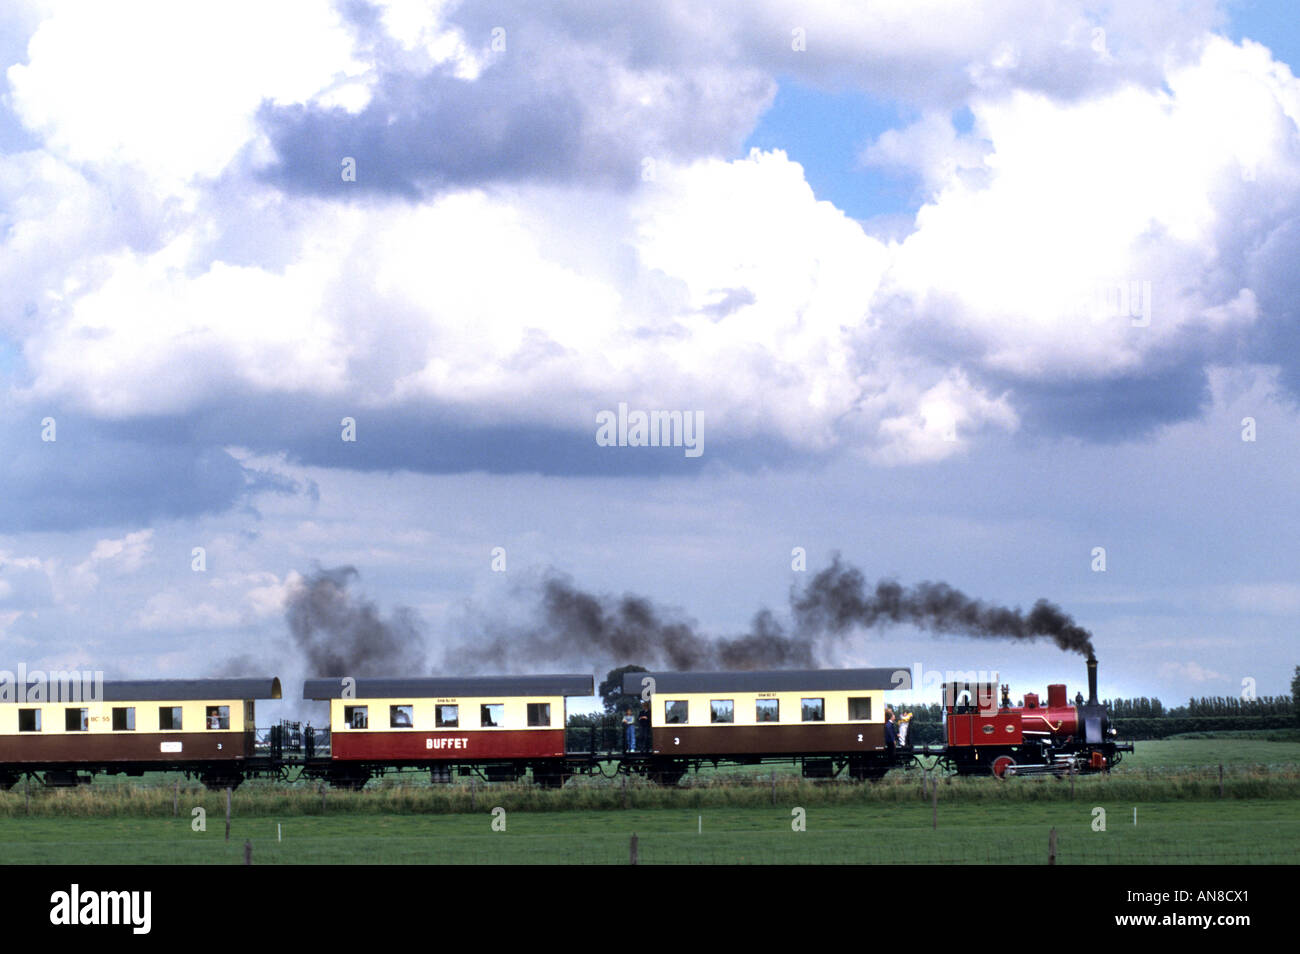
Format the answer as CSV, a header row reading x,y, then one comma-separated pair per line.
x,y
500,726
204,727
826,720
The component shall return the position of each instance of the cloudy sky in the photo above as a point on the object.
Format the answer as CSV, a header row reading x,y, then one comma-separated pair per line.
x,y
994,293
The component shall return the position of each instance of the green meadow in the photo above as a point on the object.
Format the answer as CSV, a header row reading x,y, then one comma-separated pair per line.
x,y
1187,812
1232,832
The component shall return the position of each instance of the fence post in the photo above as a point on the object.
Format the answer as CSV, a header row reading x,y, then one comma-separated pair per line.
x,y
176,797
934,805
322,797
248,852
1051,848
1220,779
227,813
1071,780
27,795
473,789
625,791
632,856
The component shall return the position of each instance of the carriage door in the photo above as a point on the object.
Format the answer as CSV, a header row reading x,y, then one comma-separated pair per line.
x,y
250,730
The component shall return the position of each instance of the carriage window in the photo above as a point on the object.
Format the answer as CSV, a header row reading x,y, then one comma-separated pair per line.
x,y
814,710
355,717
860,709
767,710
492,715
399,717
447,717
169,717
675,712
29,720
124,718
218,717
74,720
539,713
722,710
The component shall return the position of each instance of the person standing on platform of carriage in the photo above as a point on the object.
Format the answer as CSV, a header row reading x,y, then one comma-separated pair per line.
x,y
643,727
629,727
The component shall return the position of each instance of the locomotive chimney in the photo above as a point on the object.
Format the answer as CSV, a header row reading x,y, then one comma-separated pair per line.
x,y
1092,680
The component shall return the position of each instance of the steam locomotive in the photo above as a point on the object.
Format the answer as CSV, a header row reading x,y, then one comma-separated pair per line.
x,y
501,728
987,736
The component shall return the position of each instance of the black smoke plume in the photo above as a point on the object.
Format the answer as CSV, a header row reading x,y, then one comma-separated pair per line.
x,y
574,627
838,599
342,634
581,628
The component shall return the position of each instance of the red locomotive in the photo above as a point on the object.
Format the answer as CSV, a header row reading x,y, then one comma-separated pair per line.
x,y
985,734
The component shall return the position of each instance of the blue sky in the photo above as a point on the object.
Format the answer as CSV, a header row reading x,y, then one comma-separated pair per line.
x,y
958,296
1269,23
826,132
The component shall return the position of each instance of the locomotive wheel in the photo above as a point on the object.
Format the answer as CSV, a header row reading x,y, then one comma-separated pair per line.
x,y
1001,765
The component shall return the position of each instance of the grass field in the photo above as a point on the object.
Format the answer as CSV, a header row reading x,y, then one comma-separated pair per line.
x,y
1187,833
1176,753
745,815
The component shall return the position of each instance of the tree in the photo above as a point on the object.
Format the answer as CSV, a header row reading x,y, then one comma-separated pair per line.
x,y
611,691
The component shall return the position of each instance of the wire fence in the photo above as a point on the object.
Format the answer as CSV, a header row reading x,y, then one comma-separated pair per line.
x,y
849,847
1039,846
1194,815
